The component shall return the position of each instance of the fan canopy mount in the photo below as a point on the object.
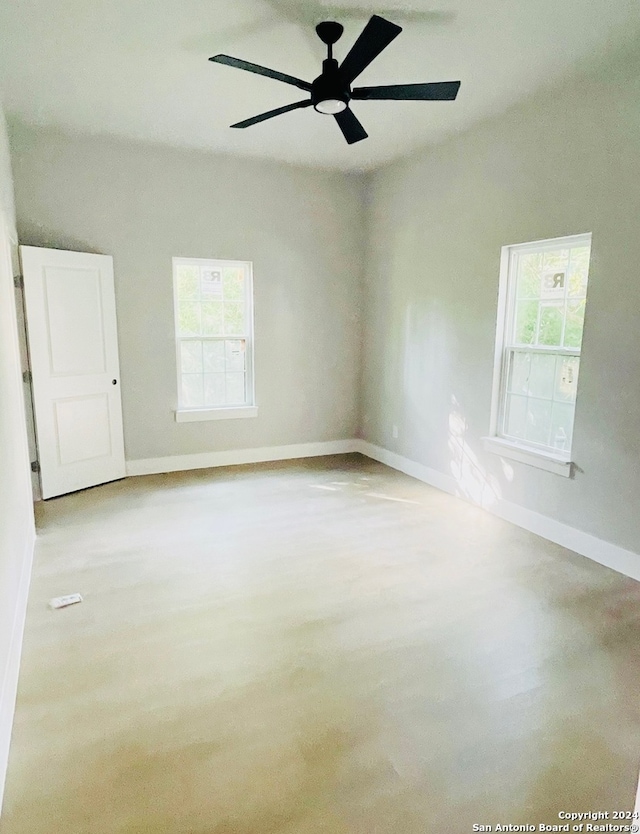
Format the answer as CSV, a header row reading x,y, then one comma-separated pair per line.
x,y
329,32
331,92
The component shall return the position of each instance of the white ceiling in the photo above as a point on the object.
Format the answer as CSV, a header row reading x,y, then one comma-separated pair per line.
x,y
139,69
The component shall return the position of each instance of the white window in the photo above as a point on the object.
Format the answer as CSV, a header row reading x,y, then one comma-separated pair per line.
x,y
543,291
214,338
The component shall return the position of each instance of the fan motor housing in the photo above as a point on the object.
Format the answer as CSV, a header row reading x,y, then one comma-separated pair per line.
x,y
330,85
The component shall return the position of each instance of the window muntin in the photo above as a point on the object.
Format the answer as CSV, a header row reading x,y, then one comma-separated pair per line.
x,y
542,337
214,333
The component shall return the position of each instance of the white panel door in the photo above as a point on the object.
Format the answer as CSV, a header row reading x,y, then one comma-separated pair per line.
x,y
73,347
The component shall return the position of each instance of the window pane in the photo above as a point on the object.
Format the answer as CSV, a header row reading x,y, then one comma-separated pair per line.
x,y
233,282
188,318
234,318
516,417
235,355
538,421
518,381
562,425
214,389
555,259
550,324
566,378
192,390
191,357
212,317
542,376
578,280
529,269
554,285
213,357
526,321
210,283
579,270
554,275
574,324
187,280
235,389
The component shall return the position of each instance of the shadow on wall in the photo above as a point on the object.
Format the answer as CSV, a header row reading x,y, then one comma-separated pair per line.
x,y
35,234
473,482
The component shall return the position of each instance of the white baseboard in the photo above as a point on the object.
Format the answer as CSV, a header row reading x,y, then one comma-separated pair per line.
x,y
417,470
205,460
605,553
9,682
598,550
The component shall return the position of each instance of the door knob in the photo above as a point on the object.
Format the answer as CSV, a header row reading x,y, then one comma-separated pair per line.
x,y
114,381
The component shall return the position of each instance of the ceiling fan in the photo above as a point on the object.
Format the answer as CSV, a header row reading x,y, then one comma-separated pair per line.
x,y
331,91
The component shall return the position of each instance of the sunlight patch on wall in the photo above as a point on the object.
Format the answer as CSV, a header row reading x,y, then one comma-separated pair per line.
x,y
473,482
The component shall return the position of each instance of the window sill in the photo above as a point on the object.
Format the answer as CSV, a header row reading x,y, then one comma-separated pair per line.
x,y
193,415
552,463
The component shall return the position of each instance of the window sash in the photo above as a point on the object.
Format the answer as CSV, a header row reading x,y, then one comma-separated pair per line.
x,y
550,244
518,348
515,254
552,402
246,335
506,344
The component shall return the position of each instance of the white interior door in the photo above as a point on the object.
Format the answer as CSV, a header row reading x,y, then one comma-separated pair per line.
x,y
73,348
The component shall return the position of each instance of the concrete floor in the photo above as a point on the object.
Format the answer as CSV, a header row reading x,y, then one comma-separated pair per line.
x,y
315,647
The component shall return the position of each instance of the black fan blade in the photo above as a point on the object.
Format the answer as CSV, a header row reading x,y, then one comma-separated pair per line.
x,y
439,91
351,128
376,36
271,113
249,67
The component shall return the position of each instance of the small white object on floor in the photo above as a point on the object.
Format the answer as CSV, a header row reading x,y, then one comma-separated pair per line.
x,y
62,602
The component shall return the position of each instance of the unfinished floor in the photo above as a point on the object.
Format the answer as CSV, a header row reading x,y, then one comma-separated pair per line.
x,y
315,647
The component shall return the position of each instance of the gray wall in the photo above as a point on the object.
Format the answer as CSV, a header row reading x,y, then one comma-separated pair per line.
x,y
567,161
303,230
16,511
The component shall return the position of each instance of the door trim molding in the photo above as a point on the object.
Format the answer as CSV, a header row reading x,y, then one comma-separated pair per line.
x,y
234,457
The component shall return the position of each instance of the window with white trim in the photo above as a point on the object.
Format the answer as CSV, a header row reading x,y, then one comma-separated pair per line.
x,y
214,336
543,291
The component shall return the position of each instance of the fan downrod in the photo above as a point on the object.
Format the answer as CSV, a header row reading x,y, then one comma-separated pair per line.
x,y
329,32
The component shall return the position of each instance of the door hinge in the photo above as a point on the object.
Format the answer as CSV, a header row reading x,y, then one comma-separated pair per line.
x,y
18,282
27,377
35,465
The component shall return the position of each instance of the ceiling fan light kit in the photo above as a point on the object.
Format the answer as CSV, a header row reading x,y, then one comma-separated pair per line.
x,y
330,106
331,92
